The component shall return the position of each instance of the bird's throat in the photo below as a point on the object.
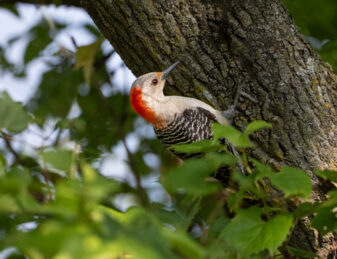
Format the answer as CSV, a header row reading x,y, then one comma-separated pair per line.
x,y
140,107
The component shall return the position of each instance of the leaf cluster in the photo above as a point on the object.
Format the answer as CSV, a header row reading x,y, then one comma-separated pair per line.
x,y
258,199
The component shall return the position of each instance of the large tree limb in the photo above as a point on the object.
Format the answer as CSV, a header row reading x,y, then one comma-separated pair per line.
x,y
221,44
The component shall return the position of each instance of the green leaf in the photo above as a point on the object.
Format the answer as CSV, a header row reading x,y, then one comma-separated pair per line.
x,y
327,174
12,116
190,177
245,181
40,38
58,159
14,191
20,174
331,201
95,125
231,134
142,167
292,181
5,65
93,30
306,209
218,225
235,200
187,208
96,186
262,170
248,232
256,125
9,205
68,201
85,57
14,181
56,93
3,165
170,217
300,253
184,244
325,220
145,230
220,159
11,8
197,147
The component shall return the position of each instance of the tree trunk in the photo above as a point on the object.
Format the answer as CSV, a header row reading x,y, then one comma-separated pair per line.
x,y
221,44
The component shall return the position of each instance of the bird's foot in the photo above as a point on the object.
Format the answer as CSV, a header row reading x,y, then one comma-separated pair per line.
x,y
229,113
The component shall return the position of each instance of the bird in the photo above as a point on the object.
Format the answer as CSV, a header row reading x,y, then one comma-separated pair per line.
x,y
175,119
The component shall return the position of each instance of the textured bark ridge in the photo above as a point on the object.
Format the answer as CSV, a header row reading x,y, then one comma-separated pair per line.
x,y
221,44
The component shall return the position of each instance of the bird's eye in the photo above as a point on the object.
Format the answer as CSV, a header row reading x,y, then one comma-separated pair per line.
x,y
154,81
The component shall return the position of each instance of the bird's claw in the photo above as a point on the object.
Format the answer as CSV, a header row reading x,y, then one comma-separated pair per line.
x,y
229,113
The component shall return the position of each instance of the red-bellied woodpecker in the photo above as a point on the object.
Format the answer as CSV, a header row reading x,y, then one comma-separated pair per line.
x,y
176,119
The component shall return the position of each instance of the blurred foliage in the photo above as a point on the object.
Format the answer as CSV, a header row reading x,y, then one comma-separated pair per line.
x,y
13,118
56,203
318,21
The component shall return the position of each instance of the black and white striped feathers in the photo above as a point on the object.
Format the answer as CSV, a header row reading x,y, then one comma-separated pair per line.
x,y
191,125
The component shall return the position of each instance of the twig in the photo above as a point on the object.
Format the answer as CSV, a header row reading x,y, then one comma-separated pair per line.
x,y
142,193
46,176
8,140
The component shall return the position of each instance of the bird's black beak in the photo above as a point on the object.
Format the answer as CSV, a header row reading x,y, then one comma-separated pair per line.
x,y
166,72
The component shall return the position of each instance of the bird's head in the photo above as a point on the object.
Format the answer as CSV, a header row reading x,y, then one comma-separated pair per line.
x,y
152,83
147,89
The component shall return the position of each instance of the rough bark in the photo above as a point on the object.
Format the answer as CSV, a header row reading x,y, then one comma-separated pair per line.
x,y
221,44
